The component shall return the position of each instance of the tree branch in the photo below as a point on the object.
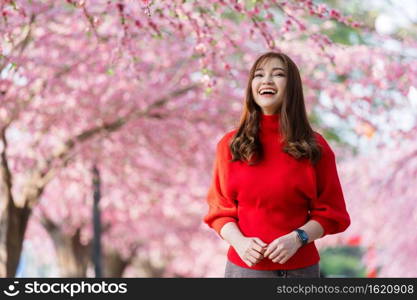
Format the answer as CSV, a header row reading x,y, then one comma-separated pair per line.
x,y
61,155
23,43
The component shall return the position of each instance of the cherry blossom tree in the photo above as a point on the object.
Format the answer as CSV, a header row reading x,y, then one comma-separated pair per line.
x,y
380,198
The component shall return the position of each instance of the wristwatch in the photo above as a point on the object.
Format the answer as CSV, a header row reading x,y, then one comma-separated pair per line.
x,y
302,235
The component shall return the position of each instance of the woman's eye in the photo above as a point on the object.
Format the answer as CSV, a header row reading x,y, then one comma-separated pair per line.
x,y
280,74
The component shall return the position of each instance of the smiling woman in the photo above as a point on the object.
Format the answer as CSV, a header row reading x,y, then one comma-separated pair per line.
x,y
275,186
268,85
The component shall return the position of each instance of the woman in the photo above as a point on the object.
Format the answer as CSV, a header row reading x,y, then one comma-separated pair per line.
x,y
275,186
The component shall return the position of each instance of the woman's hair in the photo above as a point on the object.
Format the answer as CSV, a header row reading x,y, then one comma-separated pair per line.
x,y
297,134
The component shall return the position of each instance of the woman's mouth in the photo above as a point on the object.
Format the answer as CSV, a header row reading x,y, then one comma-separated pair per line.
x,y
267,92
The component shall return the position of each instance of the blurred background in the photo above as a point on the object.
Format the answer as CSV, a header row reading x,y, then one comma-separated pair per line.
x,y
110,112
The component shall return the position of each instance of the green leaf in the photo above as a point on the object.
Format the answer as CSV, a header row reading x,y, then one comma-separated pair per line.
x,y
157,36
110,71
250,4
314,118
208,91
233,16
206,71
331,134
203,10
259,18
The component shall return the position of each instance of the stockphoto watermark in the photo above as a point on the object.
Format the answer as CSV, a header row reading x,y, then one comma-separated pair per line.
x,y
72,289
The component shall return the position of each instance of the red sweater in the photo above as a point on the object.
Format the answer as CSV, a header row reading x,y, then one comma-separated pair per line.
x,y
275,196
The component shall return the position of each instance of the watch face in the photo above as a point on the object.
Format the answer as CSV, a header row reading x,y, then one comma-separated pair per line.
x,y
303,236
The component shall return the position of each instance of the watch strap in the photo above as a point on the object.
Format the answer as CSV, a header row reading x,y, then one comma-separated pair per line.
x,y
302,235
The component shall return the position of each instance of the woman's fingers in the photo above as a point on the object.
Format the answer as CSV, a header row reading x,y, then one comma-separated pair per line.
x,y
280,257
277,251
274,254
259,245
258,256
246,261
269,250
251,259
284,260
253,255
258,248
259,242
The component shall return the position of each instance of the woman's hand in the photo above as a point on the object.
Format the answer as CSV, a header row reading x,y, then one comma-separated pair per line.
x,y
283,248
250,249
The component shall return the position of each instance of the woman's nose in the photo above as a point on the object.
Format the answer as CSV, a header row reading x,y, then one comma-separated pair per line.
x,y
267,79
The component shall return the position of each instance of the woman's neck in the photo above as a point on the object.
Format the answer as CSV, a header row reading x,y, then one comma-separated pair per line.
x,y
269,123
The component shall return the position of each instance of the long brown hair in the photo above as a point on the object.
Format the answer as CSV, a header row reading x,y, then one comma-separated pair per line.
x,y
297,134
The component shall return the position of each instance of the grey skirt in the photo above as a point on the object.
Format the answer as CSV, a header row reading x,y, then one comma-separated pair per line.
x,y
234,271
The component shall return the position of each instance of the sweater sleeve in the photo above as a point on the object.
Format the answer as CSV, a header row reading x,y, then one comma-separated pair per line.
x,y
221,208
328,208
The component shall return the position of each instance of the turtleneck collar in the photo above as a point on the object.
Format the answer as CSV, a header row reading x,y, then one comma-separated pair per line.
x,y
269,123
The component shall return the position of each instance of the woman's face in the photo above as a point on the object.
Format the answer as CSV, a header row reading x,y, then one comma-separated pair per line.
x,y
268,85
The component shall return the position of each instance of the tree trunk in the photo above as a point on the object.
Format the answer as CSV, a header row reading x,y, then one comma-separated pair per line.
x,y
149,270
13,223
73,257
14,218
114,265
